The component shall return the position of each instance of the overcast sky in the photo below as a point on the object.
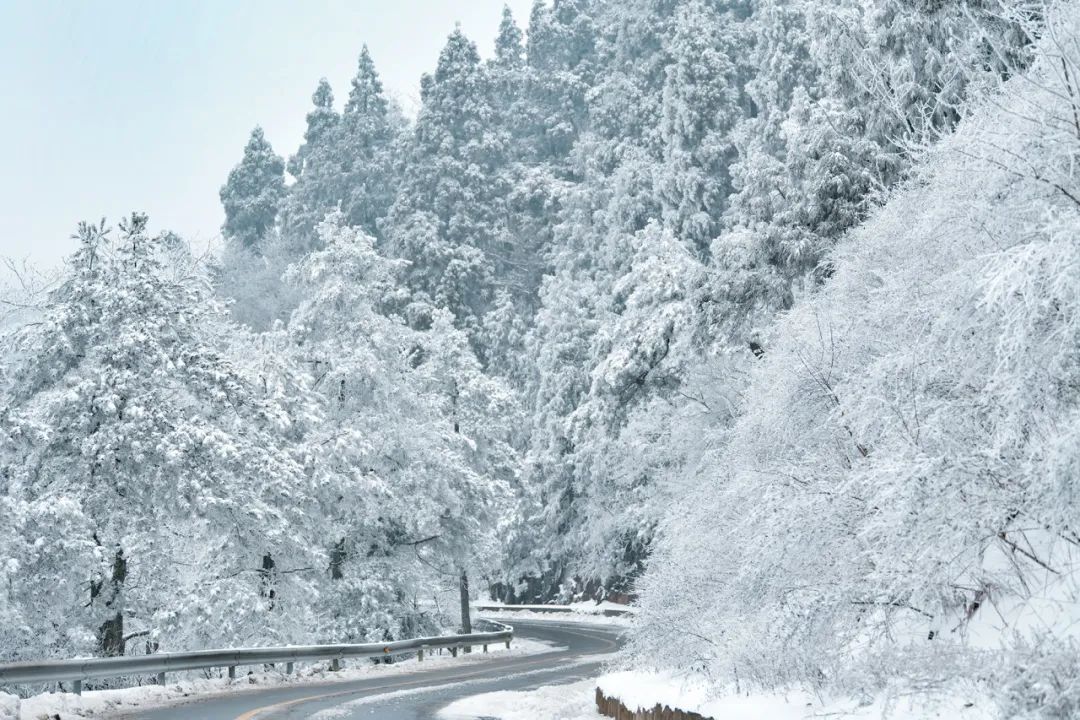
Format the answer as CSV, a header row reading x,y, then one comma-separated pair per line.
x,y
121,105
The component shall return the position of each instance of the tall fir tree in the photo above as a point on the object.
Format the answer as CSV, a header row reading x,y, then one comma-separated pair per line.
x,y
253,192
703,99
322,119
346,161
448,214
370,126
560,52
317,169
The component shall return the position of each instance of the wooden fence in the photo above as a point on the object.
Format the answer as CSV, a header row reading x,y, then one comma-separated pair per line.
x,y
613,708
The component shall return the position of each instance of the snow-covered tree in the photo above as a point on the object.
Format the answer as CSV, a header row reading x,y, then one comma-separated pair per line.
x,y
345,163
560,50
252,194
143,471
370,125
322,120
447,217
318,172
703,99
895,506
408,457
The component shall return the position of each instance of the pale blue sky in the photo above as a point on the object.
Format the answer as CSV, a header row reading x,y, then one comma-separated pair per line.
x,y
118,105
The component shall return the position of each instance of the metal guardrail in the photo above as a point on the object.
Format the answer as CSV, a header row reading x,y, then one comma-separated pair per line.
x,y
84,669
555,609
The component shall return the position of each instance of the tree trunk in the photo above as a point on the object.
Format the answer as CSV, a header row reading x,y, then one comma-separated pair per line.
x,y
338,555
269,578
111,632
466,619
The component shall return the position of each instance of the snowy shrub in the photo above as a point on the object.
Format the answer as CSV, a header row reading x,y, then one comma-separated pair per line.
x,y
1041,681
898,499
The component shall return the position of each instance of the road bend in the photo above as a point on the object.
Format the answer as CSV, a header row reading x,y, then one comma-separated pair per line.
x,y
581,653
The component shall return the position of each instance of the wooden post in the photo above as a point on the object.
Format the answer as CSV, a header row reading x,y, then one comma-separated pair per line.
x,y
485,647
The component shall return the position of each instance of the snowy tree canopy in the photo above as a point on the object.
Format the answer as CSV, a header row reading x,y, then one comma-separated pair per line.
x,y
759,313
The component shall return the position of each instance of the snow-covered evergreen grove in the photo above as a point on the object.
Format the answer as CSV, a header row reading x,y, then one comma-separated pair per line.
x,y
763,313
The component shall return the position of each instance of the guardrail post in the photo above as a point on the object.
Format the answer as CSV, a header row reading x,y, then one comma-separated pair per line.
x,y
335,665
161,678
453,651
507,644
232,672
420,655
485,647
288,668
76,687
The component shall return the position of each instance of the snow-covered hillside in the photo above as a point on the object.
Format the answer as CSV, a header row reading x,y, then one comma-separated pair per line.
x,y
898,503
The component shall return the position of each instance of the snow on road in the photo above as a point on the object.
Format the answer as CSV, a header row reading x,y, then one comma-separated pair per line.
x,y
348,709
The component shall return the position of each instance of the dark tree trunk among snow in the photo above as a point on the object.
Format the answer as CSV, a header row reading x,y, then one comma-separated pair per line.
x,y
466,619
111,631
337,560
267,572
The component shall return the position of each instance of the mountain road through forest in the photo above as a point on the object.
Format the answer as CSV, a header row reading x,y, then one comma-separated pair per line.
x,y
580,651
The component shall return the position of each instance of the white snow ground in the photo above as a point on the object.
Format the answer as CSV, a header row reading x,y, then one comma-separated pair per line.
x,y
577,701
646,690
99,703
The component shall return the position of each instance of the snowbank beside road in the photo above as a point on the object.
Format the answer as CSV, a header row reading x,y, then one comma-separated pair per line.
x,y
575,701
640,690
646,690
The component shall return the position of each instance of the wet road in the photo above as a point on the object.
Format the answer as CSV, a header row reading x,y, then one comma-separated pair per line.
x,y
417,695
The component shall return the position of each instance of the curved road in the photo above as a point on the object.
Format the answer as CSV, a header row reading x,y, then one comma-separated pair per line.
x,y
417,695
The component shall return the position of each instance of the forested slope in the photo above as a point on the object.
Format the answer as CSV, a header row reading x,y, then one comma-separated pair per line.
x,y
897,504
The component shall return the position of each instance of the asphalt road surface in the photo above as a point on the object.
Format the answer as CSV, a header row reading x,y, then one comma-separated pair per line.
x,y
417,695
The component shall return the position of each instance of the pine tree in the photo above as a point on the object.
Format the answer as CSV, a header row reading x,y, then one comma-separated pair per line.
x,y
508,76
447,218
253,192
523,244
703,99
509,43
369,128
560,52
319,176
347,163
321,123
